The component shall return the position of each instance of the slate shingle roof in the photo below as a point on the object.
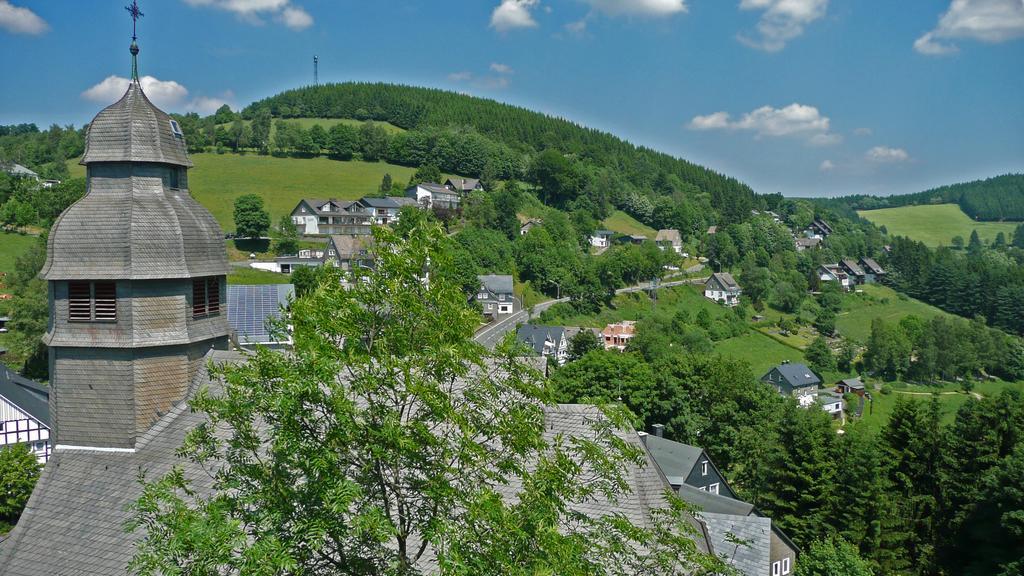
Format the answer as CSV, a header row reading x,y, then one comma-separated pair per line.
x,y
134,130
872,266
752,556
675,459
534,335
725,280
27,395
496,283
669,235
798,375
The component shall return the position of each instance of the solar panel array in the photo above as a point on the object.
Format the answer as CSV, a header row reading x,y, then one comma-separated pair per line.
x,y
252,310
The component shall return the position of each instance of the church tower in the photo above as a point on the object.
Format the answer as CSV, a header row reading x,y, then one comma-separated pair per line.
x,y
136,272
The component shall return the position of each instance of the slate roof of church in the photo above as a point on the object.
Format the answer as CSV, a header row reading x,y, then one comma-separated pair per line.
x,y
134,130
129,226
78,507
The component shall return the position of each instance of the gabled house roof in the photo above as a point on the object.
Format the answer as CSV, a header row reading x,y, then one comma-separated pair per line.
x,y
725,280
743,541
30,397
669,235
853,383
675,459
348,245
603,233
834,270
808,242
15,169
462,184
872,266
797,375
535,335
432,187
496,283
378,202
822,226
852,267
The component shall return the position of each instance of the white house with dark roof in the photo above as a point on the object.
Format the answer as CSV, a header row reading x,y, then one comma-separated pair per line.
x,y
313,217
667,239
853,270
434,195
835,273
24,413
722,288
545,341
806,243
601,238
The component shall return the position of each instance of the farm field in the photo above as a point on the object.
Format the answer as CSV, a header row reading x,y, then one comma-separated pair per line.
x,y
217,179
623,223
935,224
876,301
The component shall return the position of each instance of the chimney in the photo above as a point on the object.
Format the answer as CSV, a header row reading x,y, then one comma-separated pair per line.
x,y
659,430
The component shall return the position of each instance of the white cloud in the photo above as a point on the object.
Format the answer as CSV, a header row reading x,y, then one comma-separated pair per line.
x,y
252,11
460,76
887,155
782,21
511,14
501,68
296,18
863,131
18,20
985,20
638,7
796,120
165,94
827,166
577,26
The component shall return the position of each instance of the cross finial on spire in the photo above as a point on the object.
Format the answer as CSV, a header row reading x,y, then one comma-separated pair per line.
x,y
136,14
133,9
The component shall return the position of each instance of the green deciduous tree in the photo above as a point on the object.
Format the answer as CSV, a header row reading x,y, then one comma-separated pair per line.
x,y
251,219
19,470
819,355
287,238
385,439
832,557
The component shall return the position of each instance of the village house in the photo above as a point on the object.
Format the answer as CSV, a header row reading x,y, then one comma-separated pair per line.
x,y
835,273
464,185
433,195
853,270
635,239
616,336
530,224
24,413
313,217
348,252
722,288
872,271
289,263
712,230
819,229
601,238
495,296
545,341
765,549
18,171
381,211
806,243
790,379
831,402
851,386
669,239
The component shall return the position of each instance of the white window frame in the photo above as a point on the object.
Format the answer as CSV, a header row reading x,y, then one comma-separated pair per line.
x,y
785,566
776,568
713,488
704,468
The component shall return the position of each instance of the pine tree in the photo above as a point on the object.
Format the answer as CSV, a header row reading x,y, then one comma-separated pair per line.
x,y
858,512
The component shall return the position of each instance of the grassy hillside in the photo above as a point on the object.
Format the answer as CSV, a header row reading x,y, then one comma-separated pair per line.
x,y
218,179
935,224
11,247
623,223
859,310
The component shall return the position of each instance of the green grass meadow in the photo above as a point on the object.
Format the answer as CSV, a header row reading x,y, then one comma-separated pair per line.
x,y
876,301
935,224
12,246
623,223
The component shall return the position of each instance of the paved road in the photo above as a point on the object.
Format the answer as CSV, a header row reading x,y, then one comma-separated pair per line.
x,y
491,334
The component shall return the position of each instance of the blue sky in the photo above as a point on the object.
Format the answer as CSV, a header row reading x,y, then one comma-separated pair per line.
x,y
803,97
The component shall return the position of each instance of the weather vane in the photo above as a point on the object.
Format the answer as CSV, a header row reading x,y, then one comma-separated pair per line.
x,y
136,14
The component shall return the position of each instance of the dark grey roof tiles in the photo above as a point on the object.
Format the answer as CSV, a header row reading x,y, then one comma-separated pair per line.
x,y
798,375
496,283
30,397
130,227
743,541
674,458
710,502
134,130
534,335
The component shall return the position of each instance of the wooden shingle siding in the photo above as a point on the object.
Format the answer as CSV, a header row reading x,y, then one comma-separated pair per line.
x,y
93,400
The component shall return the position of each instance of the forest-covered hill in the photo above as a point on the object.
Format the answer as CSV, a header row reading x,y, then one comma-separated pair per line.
x,y
428,114
994,199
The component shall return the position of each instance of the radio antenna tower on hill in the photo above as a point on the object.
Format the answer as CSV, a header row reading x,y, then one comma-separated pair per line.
x,y
316,70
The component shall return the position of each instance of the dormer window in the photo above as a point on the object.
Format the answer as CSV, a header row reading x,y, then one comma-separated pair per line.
x,y
176,129
92,302
205,297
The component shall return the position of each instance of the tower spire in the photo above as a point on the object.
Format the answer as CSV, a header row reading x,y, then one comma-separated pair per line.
x,y
133,9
